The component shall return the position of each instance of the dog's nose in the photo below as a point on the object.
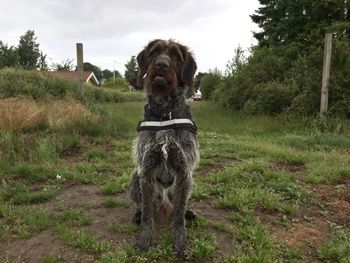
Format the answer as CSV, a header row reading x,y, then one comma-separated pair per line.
x,y
162,65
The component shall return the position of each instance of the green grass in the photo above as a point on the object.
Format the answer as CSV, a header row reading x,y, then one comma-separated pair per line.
x,y
123,228
338,247
82,238
115,186
111,202
254,178
74,218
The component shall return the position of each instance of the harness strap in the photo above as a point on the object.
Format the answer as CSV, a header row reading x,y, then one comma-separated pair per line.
x,y
176,124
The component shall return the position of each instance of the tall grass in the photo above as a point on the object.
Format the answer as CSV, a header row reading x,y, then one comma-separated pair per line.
x,y
19,114
16,82
24,113
39,85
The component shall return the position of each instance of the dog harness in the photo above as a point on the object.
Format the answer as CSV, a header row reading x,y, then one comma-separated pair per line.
x,y
175,124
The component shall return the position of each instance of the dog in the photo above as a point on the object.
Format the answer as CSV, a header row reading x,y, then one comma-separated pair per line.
x,y
166,149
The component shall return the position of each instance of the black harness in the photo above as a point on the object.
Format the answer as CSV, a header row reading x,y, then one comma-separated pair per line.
x,y
175,124
163,120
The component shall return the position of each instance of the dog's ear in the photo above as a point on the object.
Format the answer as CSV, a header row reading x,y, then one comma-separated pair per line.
x,y
142,63
189,69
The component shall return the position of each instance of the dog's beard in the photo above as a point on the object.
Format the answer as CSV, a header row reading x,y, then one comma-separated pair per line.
x,y
160,86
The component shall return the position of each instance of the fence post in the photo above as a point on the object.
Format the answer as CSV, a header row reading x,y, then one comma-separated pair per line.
x,y
326,74
80,68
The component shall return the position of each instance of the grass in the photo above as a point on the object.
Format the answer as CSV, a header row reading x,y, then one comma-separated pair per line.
x,y
111,202
259,176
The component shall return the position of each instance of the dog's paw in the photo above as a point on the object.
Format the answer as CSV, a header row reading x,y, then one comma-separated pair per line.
x,y
137,218
190,216
139,245
179,242
181,250
144,240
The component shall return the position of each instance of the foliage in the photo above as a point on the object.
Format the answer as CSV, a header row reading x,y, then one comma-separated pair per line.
x,y
42,64
284,72
269,98
106,74
209,82
8,56
95,69
131,71
28,50
15,82
64,65
39,85
111,95
118,83
301,21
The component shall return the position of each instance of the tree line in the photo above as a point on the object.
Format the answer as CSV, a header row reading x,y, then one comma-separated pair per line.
x,y
27,55
283,72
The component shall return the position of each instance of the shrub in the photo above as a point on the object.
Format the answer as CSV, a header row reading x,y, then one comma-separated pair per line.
x,y
111,95
120,84
15,82
40,85
209,82
270,98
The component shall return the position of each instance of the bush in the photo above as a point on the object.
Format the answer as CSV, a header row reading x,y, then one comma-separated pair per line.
x,y
15,82
209,82
39,85
111,95
120,84
270,98
276,80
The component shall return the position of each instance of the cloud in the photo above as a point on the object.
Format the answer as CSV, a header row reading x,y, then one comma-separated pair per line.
x,y
116,29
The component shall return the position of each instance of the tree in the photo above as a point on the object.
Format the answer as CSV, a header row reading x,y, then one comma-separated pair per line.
x,y
235,63
66,65
299,21
90,67
8,56
131,71
106,74
42,63
28,50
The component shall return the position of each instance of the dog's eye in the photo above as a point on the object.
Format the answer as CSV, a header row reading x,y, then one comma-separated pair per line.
x,y
176,56
155,51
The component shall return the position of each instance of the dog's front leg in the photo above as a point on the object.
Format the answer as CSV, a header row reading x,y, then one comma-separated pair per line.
x,y
145,238
182,190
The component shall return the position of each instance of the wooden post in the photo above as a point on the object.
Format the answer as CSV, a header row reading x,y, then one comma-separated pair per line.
x,y
80,68
326,74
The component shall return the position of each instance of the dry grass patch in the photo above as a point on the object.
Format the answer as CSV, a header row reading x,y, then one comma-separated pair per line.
x,y
20,114
60,112
23,113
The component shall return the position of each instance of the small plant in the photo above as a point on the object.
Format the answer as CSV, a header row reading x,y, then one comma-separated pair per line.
x,y
124,228
111,202
116,186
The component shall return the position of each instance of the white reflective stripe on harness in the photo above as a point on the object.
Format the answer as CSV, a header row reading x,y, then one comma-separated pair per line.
x,y
165,123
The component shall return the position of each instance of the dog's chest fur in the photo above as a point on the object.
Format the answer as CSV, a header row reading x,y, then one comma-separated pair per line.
x,y
168,148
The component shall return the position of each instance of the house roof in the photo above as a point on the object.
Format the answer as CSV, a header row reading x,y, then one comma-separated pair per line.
x,y
73,75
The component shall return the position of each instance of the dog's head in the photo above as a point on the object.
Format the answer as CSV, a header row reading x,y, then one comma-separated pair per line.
x,y
167,65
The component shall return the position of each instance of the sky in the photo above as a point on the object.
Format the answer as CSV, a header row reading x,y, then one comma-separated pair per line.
x,y
114,30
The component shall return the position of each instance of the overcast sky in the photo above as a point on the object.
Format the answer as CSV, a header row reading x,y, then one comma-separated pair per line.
x,y
114,30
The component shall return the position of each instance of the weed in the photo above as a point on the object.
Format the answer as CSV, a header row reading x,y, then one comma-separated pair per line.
x,y
111,202
124,228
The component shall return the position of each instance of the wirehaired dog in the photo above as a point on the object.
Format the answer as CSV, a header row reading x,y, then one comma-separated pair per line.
x,y
166,149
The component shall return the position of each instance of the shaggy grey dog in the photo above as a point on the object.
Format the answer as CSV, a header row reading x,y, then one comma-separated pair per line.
x,y
166,149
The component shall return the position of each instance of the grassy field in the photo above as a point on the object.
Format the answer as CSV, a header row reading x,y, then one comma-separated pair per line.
x,y
265,190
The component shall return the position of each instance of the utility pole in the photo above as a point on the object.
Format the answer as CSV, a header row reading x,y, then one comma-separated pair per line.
x,y
326,74
80,68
